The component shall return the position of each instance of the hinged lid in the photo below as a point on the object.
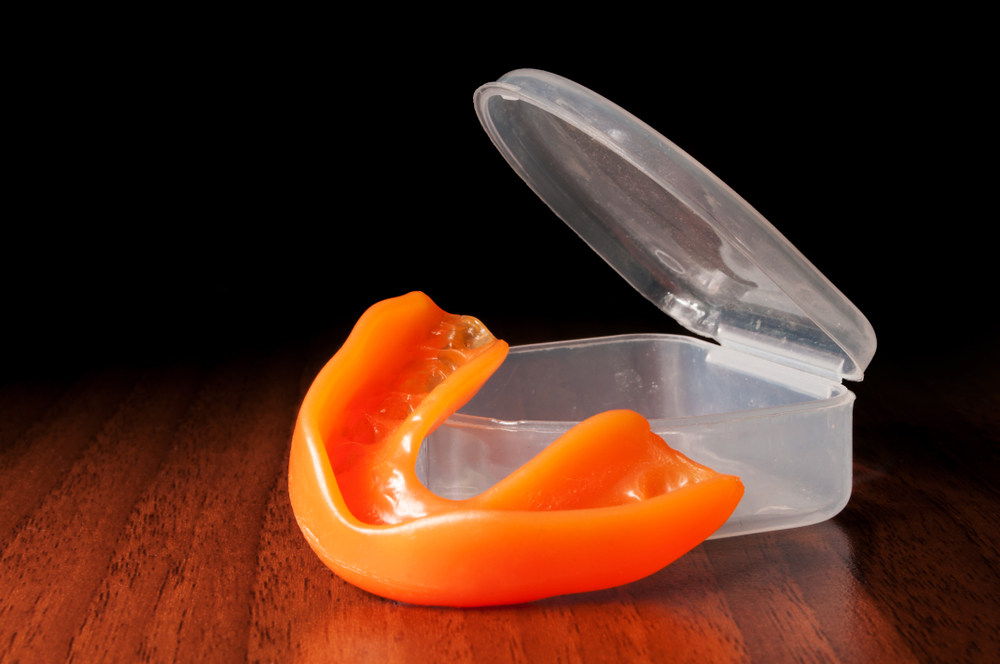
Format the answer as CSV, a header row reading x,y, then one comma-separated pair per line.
x,y
673,230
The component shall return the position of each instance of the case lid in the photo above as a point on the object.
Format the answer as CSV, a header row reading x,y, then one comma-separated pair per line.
x,y
673,230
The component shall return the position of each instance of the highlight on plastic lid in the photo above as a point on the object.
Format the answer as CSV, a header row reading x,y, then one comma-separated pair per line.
x,y
671,228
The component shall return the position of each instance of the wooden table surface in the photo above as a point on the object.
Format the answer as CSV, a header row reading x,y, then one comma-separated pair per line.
x,y
144,516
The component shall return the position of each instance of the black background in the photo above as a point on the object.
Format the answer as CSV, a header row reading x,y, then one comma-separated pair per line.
x,y
190,193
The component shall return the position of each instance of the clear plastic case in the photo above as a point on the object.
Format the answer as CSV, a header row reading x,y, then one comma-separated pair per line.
x,y
784,432
767,404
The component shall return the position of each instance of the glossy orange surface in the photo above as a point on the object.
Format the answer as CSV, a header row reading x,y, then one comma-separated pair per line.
x,y
606,504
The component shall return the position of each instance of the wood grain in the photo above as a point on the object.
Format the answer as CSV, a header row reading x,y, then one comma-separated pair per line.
x,y
144,516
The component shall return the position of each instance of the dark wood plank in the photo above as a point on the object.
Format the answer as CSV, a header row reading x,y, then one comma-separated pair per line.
x,y
145,517
183,568
55,564
34,464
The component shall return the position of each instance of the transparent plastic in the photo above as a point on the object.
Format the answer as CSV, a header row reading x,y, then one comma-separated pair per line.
x,y
784,432
672,229
767,405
